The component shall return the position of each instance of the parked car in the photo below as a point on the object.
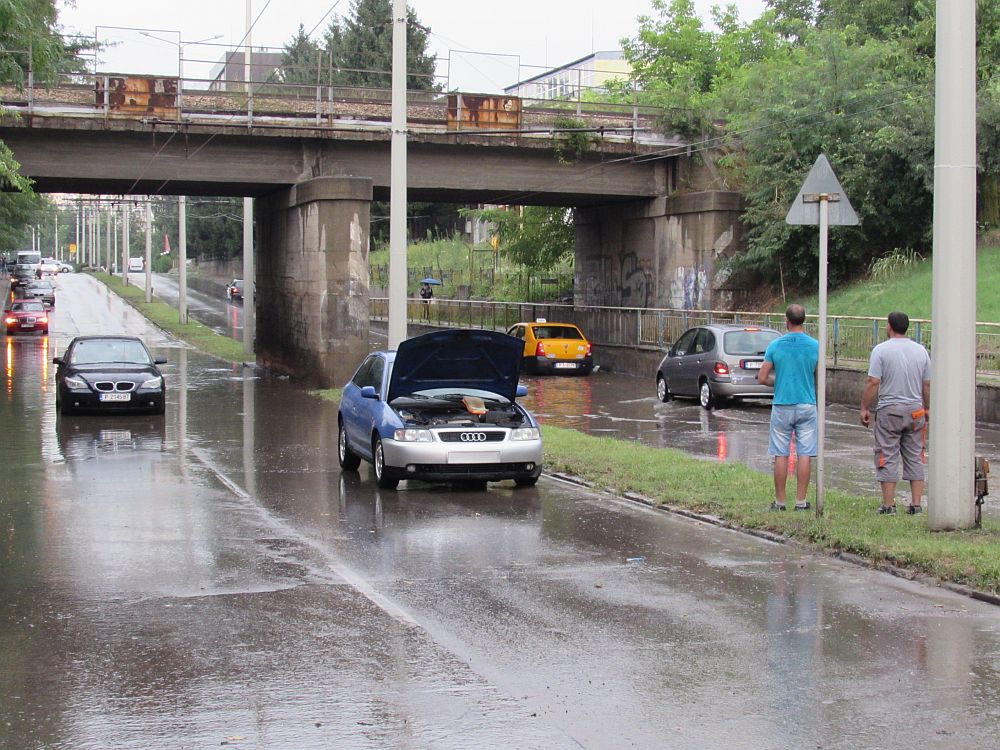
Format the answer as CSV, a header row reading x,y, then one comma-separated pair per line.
x,y
26,316
66,267
112,374
235,290
442,408
43,290
21,274
553,347
136,265
714,363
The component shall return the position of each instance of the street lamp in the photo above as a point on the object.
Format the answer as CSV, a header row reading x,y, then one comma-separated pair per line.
x,y
180,61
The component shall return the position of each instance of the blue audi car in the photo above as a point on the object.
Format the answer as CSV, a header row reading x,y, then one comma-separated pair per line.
x,y
441,408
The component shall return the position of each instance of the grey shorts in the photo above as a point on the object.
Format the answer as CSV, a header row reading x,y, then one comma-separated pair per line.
x,y
900,432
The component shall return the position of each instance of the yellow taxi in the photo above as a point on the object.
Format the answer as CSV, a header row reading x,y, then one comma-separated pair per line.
x,y
553,347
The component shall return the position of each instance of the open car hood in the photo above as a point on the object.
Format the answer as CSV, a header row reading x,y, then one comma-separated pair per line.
x,y
459,357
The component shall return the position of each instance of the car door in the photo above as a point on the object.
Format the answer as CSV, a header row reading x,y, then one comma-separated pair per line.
x,y
675,371
355,410
702,358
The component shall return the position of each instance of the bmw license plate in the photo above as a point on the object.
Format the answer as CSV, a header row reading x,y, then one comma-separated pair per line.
x,y
565,365
116,396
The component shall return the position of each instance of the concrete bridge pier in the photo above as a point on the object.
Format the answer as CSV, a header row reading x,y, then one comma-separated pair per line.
x,y
663,252
312,278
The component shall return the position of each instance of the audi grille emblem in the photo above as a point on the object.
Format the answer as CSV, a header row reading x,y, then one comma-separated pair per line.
x,y
473,437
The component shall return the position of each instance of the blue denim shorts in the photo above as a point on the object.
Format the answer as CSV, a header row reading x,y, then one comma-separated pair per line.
x,y
789,418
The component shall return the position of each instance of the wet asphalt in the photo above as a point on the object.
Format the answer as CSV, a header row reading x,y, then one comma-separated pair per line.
x,y
212,578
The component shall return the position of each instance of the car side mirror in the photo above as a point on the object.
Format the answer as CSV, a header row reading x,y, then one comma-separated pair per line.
x,y
672,352
521,390
57,360
160,361
368,391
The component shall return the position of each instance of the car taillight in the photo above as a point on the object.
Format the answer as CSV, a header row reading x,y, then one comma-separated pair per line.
x,y
589,349
721,368
540,349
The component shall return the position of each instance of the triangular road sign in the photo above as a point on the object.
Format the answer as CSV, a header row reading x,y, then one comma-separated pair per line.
x,y
821,179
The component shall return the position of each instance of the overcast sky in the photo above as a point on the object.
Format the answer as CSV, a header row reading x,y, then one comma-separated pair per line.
x,y
536,34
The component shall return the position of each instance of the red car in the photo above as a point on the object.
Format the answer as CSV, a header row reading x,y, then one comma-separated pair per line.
x,y
26,316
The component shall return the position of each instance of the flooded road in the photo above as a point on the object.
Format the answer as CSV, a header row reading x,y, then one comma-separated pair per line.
x,y
212,578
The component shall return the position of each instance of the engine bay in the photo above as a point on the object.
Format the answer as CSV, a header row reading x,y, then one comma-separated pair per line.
x,y
458,411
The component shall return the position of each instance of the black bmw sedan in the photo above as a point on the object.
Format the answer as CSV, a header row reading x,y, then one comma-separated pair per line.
x,y
110,374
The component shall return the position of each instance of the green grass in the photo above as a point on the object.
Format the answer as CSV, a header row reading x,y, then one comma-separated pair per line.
x,y
740,496
909,289
164,316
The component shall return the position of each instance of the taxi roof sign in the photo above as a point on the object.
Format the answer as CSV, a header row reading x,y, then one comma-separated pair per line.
x,y
822,181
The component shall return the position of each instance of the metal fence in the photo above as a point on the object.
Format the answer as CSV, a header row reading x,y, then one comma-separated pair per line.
x,y
849,339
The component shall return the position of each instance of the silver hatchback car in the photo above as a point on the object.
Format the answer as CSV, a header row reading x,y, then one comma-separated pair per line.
x,y
715,363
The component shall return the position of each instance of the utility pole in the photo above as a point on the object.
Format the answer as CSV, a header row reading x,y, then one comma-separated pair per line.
x,y
149,251
125,242
397,181
953,297
249,302
182,309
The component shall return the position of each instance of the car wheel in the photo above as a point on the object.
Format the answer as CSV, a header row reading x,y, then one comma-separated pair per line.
x,y
526,481
706,397
378,464
662,390
349,460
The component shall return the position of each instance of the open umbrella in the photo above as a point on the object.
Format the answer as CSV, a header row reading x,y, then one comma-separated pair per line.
x,y
429,280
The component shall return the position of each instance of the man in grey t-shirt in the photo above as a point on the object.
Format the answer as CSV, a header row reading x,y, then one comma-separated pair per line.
x,y
899,372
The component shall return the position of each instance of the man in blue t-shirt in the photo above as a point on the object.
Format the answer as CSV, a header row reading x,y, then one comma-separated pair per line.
x,y
793,359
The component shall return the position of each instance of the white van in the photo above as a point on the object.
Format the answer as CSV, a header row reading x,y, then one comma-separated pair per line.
x,y
136,264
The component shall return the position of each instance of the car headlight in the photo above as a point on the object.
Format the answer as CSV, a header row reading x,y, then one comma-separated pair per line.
x,y
413,435
525,433
156,382
72,382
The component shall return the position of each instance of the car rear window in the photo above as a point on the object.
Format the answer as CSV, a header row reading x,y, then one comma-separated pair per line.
x,y
557,332
747,342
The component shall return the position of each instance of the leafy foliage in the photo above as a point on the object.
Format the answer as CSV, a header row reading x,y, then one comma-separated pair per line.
x,y
536,237
18,212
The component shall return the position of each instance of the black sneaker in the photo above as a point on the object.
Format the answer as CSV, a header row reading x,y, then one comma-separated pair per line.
x,y
776,506
914,509
803,506
887,510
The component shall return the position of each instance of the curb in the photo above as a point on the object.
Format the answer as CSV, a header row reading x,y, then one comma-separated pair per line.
x,y
770,536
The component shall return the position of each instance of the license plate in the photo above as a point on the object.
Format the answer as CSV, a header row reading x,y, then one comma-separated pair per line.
x,y
565,365
467,457
116,396
752,365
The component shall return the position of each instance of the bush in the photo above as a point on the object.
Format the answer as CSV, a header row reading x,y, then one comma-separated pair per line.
x,y
162,263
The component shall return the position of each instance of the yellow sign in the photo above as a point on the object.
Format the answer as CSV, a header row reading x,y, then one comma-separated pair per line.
x,y
72,248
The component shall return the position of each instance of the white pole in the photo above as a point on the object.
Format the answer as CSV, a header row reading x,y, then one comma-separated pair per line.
x,y
78,258
247,70
824,227
125,243
397,180
149,251
249,305
951,495
182,309
97,237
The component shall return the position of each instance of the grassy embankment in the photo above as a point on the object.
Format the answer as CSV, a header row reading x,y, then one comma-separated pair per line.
x,y
164,316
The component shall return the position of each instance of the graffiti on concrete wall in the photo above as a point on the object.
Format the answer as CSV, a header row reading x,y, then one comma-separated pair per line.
x,y
635,281
689,288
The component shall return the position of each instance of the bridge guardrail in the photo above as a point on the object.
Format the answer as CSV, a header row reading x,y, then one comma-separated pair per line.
x,y
314,105
850,339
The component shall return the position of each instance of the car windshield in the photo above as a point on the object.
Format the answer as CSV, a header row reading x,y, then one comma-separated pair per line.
x,y
96,351
27,307
748,342
557,332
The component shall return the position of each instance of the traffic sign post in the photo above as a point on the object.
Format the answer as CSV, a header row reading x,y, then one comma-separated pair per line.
x,y
821,201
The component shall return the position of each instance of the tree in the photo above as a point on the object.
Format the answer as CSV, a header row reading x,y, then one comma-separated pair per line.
x,y
360,48
18,213
536,237
301,61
